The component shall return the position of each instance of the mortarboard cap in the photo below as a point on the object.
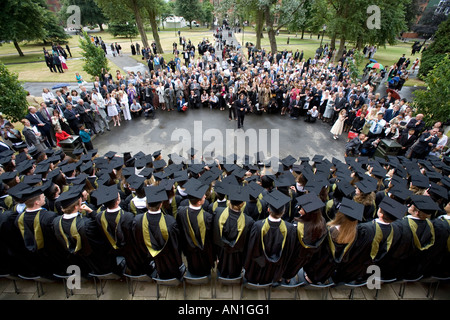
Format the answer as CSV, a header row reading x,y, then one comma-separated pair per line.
x,y
254,189
8,176
286,179
367,185
288,161
239,193
31,192
276,200
146,173
69,168
345,187
424,204
69,197
401,193
159,164
310,202
420,181
195,188
220,187
42,168
105,194
136,182
156,154
167,184
393,207
86,166
352,209
24,166
438,191
77,152
180,176
32,179
155,194
110,154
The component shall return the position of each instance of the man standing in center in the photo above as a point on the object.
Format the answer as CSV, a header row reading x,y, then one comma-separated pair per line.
x,y
241,108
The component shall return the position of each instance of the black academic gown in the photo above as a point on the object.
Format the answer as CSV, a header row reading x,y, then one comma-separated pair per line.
x,y
439,254
196,246
120,238
304,248
154,246
257,209
411,255
39,253
267,264
10,240
324,263
85,246
379,239
231,236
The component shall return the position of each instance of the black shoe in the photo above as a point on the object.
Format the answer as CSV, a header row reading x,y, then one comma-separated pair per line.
x,y
108,129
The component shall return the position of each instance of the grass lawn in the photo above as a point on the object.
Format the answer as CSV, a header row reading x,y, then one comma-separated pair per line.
x,y
38,71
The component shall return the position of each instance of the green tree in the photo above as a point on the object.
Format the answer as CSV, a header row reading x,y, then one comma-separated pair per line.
x,y
118,9
94,57
21,20
13,100
436,50
127,30
90,12
189,9
54,32
434,103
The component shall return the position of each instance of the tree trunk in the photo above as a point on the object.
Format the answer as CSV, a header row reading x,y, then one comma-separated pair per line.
x,y
303,32
341,47
16,45
100,25
333,41
271,31
154,25
258,29
140,24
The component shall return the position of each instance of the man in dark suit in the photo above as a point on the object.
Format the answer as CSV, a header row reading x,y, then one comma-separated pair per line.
x,y
230,101
352,147
84,110
241,109
426,143
417,124
72,117
49,62
407,139
295,107
57,63
392,113
43,125
339,104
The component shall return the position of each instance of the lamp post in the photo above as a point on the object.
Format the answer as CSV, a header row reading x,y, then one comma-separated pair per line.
x,y
323,32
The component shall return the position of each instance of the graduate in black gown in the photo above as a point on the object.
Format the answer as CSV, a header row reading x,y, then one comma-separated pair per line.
x,y
311,231
116,225
381,233
343,235
157,237
80,236
231,233
39,253
418,235
271,243
439,254
195,225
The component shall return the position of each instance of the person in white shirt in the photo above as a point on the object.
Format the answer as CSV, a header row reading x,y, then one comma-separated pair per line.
x,y
442,142
48,96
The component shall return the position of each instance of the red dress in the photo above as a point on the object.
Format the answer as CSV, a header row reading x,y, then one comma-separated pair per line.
x,y
61,136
